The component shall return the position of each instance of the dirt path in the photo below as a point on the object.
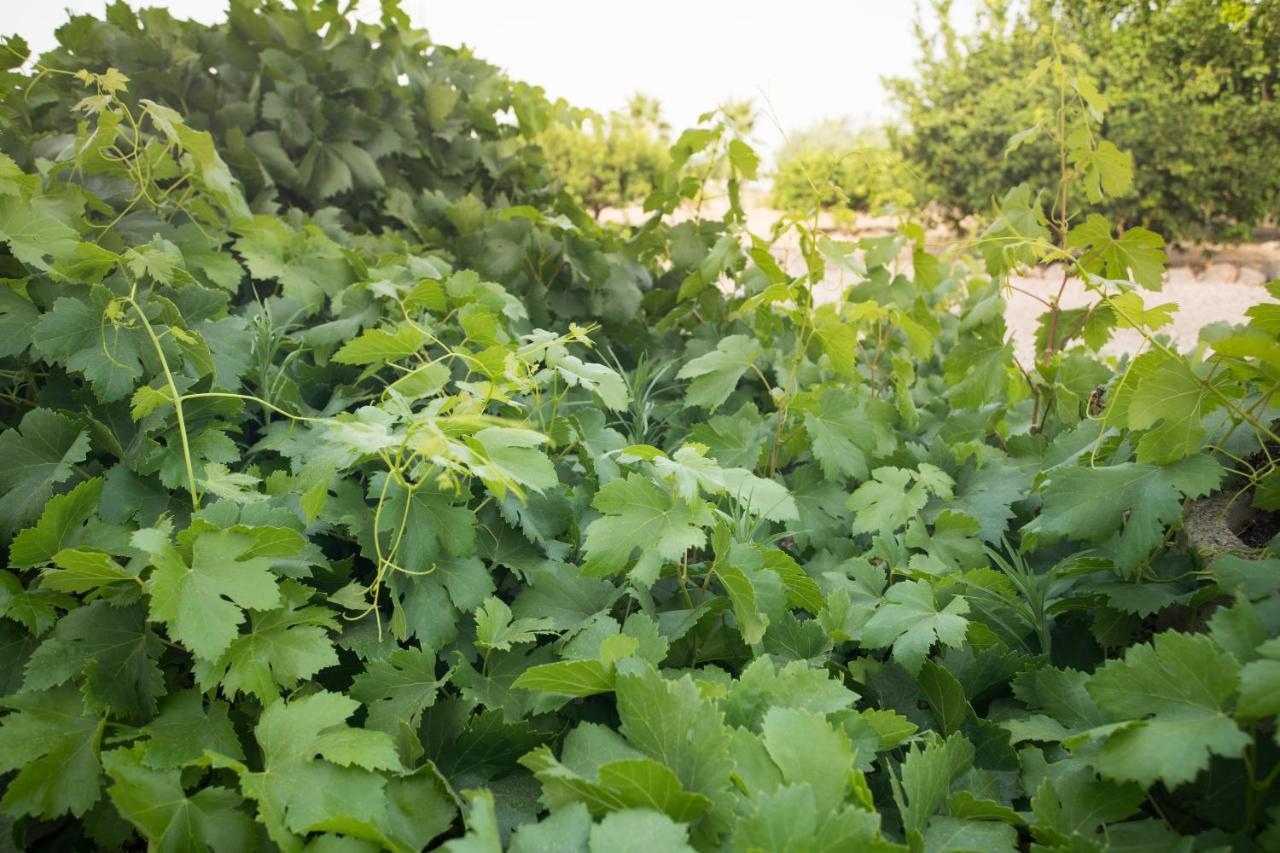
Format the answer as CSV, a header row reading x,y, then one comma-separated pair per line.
x,y
1200,302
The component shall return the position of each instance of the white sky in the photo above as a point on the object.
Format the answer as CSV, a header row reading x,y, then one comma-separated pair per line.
x,y
801,59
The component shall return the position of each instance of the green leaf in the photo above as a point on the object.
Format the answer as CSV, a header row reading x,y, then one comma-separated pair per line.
x,y
787,818
746,609
83,570
318,772
839,341
601,380
59,527
672,723
114,650
847,432
203,599
423,381
744,159
894,495
945,696
281,648
1169,393
510,458
185,728
381,346
716,374
949,833
1106,171
495,629
35,232
620,784
809,750
53,744
568,678
926,777
85,337
1260,684
482,826
1130,503
1176,690
156,804
1137,252
640,515
397,690
639,831
910,620
434,525
689,469
34,459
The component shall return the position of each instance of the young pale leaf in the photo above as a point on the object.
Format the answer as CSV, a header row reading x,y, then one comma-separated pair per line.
x,y
381,346
1137,251
641,515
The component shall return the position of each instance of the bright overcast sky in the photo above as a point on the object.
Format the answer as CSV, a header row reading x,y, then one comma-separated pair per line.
x,y
803,60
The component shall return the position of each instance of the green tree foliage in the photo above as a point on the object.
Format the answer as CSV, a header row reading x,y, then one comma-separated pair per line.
x,y
1191,89
435,515
833,167
608,161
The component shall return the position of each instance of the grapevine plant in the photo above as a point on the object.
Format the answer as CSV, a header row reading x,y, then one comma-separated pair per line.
x,y
360,491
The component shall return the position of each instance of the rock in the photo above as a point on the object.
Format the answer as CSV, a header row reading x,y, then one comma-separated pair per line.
x,y
1179,275
1052,272
1223,273
1251,277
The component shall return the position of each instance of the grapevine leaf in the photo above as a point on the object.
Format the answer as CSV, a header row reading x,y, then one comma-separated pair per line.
x,y
1137,251
640,515
53,744
716,374
910,621
34,459
1176,690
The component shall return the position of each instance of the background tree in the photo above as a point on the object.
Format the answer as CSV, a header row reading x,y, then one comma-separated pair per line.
x,y
609,161
1191,89
833,166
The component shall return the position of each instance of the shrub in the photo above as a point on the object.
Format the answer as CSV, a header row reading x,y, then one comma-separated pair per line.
x,y
833,167
609,161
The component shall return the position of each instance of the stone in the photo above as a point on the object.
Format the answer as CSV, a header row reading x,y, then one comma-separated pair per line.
x,y
1251,277
1221,273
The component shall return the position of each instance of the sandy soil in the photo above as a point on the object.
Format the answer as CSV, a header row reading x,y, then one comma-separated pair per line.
x,y
1200,303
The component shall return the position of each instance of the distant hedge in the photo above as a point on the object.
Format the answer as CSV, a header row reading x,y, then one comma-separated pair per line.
x,y
834,167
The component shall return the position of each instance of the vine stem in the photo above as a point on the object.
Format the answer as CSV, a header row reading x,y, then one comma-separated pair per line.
x,y
177,401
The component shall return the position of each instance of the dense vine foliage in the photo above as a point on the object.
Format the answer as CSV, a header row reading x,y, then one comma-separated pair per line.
x,y
360,491
1192,87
